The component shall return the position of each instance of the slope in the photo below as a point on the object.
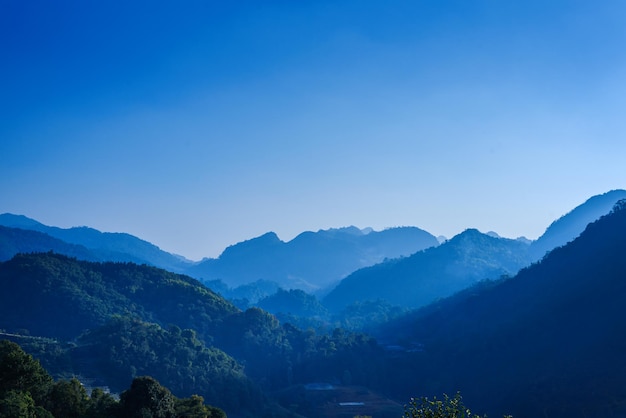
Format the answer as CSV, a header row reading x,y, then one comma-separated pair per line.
x,y
53,295
570,225
433,273
104,245
548,342
15,240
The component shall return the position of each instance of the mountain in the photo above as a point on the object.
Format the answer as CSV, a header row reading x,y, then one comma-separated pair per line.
x,y
433,273
55,296
15,240
312,260
569,226
547,342
103,245
114,321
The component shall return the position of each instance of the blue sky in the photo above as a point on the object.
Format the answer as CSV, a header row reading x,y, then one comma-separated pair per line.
x,y
198,124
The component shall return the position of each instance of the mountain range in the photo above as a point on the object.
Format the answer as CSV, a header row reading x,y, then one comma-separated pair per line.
x,y
318,261
433,273
547,342
96,245
462,261
312,260
293,264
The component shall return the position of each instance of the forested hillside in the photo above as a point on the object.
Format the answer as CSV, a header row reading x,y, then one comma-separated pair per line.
x,y
27,390
53,295
548,342
121,320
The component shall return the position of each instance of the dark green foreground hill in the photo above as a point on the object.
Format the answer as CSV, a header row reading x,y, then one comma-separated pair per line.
x,y
28,391
54,296
124,321
117,321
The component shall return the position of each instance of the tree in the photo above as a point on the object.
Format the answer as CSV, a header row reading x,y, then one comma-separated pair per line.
x,y
439,408
17,404
20,372
147,398
101,404
194,407
68,399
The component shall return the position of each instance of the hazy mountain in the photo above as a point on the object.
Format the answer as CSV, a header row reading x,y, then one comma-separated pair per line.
x,y
548,342
15,240
569,226
103,245
312,260
433,273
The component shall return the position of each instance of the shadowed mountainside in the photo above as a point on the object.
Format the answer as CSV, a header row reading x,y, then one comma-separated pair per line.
x,y
548,342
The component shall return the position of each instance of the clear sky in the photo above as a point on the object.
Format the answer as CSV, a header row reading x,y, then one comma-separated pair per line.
x,y
198,124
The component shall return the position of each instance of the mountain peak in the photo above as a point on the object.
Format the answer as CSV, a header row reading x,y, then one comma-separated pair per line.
x,y
18,221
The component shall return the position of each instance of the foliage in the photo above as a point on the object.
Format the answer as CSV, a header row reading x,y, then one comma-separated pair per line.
x,y
438,408
147,398
295,302
15,403
194,407
279,355
101,404
53,295
180,333
126,348
20,372
67,399
366,315
21,376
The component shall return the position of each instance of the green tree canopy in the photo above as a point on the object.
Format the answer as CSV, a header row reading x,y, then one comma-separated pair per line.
x,y
20,372
147,398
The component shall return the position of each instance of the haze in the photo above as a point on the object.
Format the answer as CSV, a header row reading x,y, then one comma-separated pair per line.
x,y
196,125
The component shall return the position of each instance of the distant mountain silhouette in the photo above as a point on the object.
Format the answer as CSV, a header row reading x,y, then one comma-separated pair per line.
x,y
15,240
312,260
102,245
569,226
547,342
433,273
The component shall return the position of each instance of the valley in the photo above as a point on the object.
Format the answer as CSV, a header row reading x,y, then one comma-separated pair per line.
x,y
477,314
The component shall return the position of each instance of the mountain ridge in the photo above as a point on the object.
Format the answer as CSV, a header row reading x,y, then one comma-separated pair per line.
x,y
432,273
112,246
553,332
311,260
